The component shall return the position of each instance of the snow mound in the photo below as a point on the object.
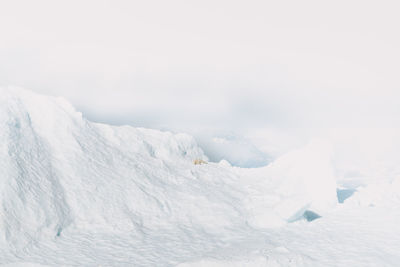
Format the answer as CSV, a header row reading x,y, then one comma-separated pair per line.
x,y
59,171
298,181
379,194
69,183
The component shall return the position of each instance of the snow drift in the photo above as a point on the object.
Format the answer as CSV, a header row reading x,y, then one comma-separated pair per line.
x,y
64,179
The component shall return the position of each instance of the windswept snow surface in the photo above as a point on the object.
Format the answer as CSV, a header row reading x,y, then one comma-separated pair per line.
x,y
77,193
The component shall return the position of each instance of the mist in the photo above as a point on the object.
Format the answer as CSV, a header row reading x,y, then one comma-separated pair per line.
x,y
210,67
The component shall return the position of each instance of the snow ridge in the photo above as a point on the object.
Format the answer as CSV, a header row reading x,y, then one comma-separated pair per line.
x,y
134,194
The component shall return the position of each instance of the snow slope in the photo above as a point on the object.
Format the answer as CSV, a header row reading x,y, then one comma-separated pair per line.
x,y
78,193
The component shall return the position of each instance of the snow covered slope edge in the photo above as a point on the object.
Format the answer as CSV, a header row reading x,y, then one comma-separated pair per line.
x,y
64,180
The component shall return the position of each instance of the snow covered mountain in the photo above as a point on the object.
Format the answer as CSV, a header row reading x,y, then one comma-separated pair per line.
x,y
78,193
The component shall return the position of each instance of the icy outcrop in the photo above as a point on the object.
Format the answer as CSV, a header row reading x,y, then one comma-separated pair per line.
x,y
59,170
65,180
300,180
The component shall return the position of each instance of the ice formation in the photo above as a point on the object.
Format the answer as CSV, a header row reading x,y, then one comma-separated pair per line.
x,y
79,193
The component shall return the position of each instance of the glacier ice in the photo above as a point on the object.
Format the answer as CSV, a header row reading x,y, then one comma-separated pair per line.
x,y
74,192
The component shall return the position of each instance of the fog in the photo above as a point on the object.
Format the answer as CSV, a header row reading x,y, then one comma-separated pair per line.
x,y
233,66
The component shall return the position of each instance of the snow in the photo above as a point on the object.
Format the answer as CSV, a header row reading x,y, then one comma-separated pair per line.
x,y
300,180
77,193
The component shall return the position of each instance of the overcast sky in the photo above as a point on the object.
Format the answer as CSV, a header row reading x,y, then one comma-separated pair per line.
x,y
219,63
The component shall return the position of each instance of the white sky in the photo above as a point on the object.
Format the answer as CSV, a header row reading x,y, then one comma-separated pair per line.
x,y
230,64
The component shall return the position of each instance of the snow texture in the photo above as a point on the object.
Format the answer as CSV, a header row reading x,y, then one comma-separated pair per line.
x,y
77,193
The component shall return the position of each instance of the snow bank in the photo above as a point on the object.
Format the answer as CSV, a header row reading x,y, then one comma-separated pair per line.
x,y
66,180
298,181
255,262
61,171
378,194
